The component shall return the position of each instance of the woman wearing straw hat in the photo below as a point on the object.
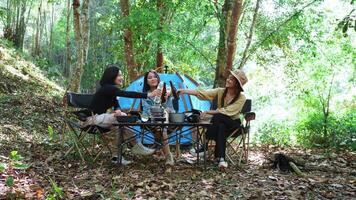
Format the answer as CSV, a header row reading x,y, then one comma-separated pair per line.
x,y
226,117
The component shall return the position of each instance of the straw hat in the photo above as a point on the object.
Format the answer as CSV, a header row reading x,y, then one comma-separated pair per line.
x,y
240,76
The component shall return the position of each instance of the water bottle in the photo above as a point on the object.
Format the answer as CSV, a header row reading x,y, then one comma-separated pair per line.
x,y
157,99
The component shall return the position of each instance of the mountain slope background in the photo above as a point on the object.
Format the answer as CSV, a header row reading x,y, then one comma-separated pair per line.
x,y
29,102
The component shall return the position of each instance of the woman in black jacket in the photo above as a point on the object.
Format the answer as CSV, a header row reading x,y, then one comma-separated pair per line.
x,y
105,98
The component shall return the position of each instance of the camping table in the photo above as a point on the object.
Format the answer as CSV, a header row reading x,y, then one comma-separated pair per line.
x,y
178,133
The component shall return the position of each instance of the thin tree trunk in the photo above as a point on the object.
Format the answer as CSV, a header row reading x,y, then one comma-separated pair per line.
x,y
8,29
128,43
78,71
67,62
277,29
231,40
159,54
159,58
20,26
44,30
85,29
36,49
250,35
51,32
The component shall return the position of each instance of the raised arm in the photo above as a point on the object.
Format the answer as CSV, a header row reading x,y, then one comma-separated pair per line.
x,y
188,91
130,94
202,94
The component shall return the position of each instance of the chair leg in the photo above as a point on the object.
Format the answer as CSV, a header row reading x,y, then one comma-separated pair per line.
x,y
78,149
230,147
230,159
77,139
178,145
73,146
247,145
98,153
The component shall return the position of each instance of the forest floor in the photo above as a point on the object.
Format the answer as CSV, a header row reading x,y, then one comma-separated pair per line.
x,y
31,122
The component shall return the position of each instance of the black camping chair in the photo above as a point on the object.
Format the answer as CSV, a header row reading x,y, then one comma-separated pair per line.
x,y
239,140
77,110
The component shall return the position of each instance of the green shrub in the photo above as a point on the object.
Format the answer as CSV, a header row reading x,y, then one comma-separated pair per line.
x,y
276,133
338,130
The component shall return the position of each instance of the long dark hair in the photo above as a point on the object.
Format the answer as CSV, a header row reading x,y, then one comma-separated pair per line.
x,y
146,87
109,75
238,92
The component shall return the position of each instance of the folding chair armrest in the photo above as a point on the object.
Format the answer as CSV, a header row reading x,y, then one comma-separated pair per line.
x,y
249,116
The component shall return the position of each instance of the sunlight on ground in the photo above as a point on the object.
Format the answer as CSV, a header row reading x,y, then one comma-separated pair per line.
x,y
256,158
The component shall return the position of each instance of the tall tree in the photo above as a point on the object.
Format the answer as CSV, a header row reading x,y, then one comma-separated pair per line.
x,y
81,35
231,39
85,29
36,44
79,68
224,18
128,42
68,56
50,53
16,21
159,54
250,35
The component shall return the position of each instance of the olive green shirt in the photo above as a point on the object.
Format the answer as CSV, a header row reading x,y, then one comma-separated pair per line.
x,y
232,110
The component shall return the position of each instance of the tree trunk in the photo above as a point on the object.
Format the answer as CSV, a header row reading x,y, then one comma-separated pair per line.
x,y
229,20
231,40
44,30
222,46
159,59
8,32
128,43
50,53
19,27
249,37
67,66
85,29
78,71
36,48
159,54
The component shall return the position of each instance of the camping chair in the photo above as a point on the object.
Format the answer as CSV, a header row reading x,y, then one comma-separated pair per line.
x,y
76,110
241,136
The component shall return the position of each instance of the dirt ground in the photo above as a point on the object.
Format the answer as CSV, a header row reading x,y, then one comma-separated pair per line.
x,y
328,175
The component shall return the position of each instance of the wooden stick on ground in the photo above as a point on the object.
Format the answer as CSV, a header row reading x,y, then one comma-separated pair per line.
x,y
296,169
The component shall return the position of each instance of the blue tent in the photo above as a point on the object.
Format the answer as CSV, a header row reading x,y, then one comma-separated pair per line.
x,y
186,102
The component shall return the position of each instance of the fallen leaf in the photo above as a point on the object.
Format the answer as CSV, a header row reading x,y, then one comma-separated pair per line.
x,y
273,178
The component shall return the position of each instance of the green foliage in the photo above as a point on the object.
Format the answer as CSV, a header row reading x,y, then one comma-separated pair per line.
x,y
2,167
337,131
15,156
57,192
50,133
15,161
9,181
276,133
3,11
20,166
48,66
